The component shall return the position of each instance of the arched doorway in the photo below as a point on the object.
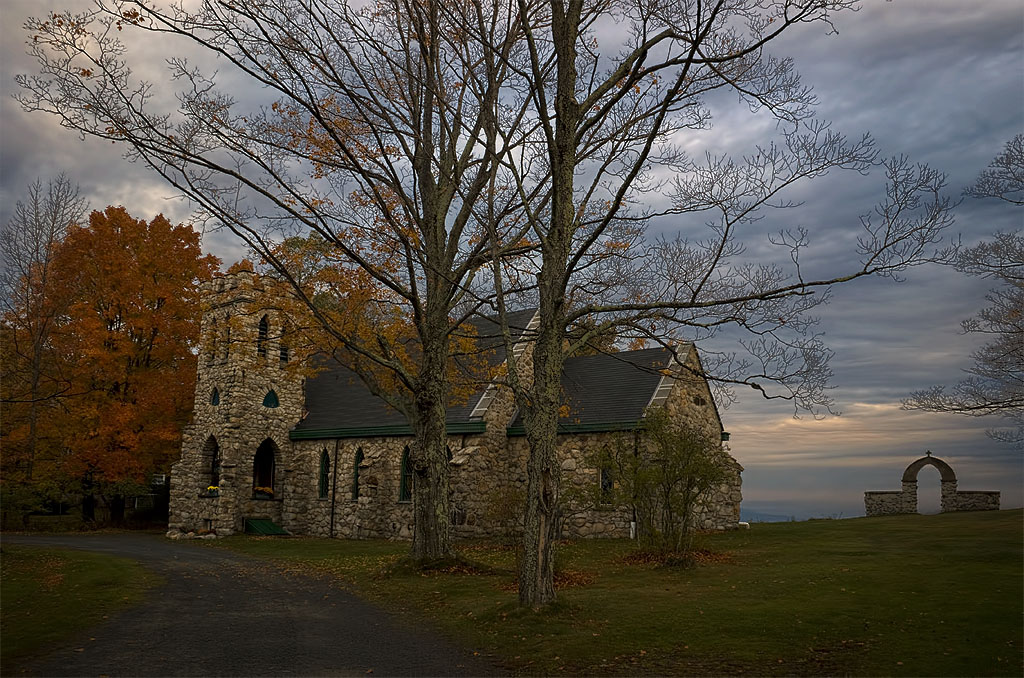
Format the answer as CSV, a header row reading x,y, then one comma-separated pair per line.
x,y
263,467
947,483
211,462
929,492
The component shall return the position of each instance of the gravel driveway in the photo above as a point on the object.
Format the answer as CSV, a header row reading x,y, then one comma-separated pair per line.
x,y
224,614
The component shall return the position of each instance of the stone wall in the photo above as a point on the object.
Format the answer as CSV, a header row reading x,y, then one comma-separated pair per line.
x,y
951,499
689,403
973,500
884,503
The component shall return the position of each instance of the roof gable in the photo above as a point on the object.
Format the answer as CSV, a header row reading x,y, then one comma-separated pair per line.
x,y
610,391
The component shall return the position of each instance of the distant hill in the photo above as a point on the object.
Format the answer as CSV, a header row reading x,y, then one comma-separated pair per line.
x,y
752,516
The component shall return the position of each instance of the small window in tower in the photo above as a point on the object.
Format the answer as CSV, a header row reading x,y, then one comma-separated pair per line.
x,y
282,346
227,337
213,340
355,474
215,397
607,485
699,401
405,480
270,400
261,337
325,474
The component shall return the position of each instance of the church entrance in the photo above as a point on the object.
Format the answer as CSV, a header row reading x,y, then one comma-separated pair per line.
x,y
263,463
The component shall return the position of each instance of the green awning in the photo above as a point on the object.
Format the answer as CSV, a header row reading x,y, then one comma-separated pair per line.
x,y
263,526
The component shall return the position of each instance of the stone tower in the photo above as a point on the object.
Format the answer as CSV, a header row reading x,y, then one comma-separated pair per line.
x,y
246,401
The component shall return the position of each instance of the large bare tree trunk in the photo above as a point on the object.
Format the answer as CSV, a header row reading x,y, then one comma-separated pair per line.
x,y
431,539
536,569
536,573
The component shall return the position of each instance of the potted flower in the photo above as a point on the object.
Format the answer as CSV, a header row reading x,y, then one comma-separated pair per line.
x,y
213,491
263,493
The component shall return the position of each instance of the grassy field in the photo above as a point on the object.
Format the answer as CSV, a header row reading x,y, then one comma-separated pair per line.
x,y
47,595
904,596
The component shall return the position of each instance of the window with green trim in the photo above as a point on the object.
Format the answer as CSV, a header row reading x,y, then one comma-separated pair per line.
x,y
355,474
215,397
325,472
405,483
261,338
270,400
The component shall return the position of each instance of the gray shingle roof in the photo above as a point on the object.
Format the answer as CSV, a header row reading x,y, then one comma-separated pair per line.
x,y
604,392
339,403
609,390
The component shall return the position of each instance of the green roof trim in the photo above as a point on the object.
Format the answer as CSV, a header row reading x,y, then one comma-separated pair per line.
x,y
598,427
601,427
380,431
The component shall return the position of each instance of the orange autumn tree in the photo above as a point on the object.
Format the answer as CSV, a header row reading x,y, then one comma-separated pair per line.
x,y
128,339
379,126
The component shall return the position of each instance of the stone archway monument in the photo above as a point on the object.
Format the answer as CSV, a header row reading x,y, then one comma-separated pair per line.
x,y
905,500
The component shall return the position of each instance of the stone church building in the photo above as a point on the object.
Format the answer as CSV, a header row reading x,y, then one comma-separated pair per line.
x,y
320,455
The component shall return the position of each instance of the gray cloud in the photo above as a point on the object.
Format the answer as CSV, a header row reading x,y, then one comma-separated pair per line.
x,y
938,80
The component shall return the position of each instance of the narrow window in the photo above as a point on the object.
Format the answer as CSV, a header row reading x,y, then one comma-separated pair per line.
x,y
282,346
355,474
405,484
227,337
215,397
270,400
607,485
261,338
213,339
325,471
211,451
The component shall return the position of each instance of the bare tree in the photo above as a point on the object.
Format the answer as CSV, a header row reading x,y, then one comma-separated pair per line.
x,y
995,383
610,122
1004,178
375,127
30,307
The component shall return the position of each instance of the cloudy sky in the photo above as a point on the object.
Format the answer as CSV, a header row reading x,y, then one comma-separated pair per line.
x,y
941,81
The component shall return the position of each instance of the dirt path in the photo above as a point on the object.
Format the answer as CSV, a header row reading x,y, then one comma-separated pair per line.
x,y
222,614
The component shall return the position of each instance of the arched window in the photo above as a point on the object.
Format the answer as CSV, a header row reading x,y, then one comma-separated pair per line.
x,y
261,338
325,472
607,485
282,346
263,469
227,336
270,400
213,339
215,397
405,481
355,474
211,454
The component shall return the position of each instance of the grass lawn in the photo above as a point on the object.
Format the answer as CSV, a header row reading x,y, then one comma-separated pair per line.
x,y
47,595
903,596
